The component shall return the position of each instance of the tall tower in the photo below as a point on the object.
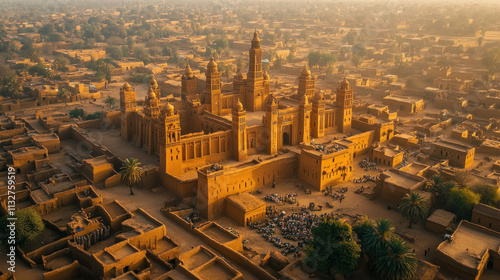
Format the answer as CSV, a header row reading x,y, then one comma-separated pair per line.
x,y
128,101
304,120
188,83
154,85
255,94
128,105
239,127
212,87
344,102
170,142
271,126
239,85
151,104
318,116
306,84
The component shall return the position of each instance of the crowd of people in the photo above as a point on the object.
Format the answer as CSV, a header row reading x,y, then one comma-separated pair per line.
x,y
366,178
337,194
215,167
281,199
295,227
367,164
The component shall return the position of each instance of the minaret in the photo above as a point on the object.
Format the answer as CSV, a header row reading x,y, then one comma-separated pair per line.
x,y
188,83
304,120
255,95
128,101
170,142
154,85
344,103
318,116
239,129
128,105
306,84
239,85
271,126
212,87
151,104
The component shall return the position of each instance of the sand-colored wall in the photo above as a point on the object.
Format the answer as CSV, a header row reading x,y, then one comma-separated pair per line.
x,y
213,188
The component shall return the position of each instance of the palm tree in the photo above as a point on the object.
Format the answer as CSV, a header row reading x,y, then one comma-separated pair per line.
x,y
363,227
376,240
413,207
131,172
110,101
396,262
435,182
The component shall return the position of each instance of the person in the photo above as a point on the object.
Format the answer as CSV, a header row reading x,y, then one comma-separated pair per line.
x,y
425,253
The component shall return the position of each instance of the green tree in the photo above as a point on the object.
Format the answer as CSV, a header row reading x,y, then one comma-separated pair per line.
x,y
63,94
39,69
94,116
461,202
359,50
131,173
356,61
142,78
60,63
363,227
351,38
314,58
141,54
29,225
376,240
9,84
110,101
413,207
333,238
115,52
489,194
77,112
396,261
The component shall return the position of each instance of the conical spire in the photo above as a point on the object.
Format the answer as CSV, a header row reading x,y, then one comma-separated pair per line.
x,y
305,71
189,72
255,40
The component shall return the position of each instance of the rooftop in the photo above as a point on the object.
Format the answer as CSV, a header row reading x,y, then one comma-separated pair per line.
x,y
453,145
441,217
402,179
245,201
470,243
486,210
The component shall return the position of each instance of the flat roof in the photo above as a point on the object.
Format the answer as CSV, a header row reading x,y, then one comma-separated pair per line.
x,y
245,201
453,145
470,243
403,98
402,179
441,217
388,151
486,210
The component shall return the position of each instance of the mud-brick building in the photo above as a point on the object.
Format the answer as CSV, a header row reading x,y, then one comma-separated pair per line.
x,y
459,155
486,216
245,208
470,250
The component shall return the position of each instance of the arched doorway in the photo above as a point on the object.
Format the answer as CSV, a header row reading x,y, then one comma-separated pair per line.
x,y
286,139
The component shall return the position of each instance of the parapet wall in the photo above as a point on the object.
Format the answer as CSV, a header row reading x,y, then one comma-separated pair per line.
x,y
227,251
